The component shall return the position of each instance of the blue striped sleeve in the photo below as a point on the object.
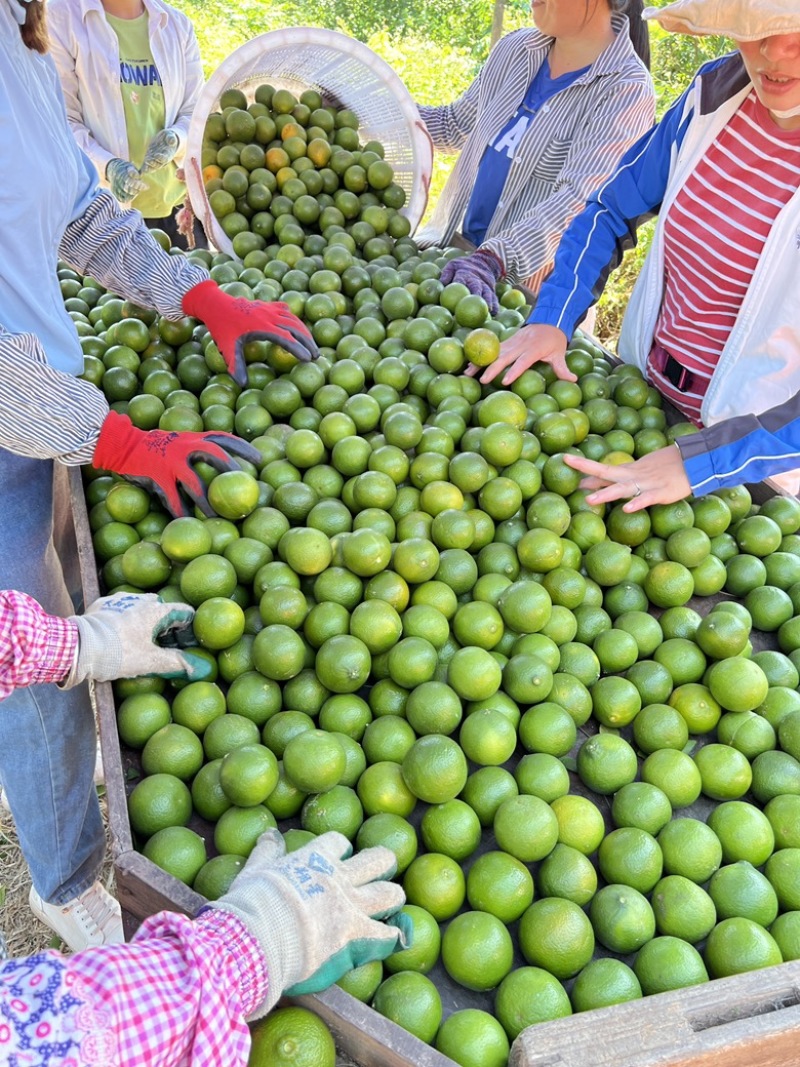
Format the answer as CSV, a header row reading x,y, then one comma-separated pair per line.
x,y
45,413
748,448
449,125
623,114
594,243
116,248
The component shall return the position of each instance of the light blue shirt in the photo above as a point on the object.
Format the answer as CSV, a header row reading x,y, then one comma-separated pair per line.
x,y
47,183
496,160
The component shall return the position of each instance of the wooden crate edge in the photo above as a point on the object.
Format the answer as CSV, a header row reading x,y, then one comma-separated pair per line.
x,y
739,1021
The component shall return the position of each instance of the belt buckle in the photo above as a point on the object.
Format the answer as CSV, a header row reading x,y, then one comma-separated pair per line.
x,y
677,374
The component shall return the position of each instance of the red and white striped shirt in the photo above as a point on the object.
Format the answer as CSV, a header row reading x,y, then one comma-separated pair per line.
x,y
714,234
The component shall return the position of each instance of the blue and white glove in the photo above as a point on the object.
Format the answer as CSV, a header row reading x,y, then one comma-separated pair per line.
x,y
124,180
316,912
118,638
160,151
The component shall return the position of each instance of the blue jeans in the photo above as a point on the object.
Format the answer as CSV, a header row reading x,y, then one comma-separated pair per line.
x,y
47,736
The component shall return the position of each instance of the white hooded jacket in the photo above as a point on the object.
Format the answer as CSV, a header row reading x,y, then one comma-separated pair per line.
x,y
86,53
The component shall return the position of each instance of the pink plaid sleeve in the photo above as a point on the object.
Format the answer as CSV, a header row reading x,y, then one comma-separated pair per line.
x,y
176,997
34,647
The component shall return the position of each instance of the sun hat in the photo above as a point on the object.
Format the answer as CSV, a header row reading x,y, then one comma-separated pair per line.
x,y
742,20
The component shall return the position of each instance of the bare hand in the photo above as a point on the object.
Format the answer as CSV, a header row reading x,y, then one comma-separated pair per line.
x,y
529,345
657,478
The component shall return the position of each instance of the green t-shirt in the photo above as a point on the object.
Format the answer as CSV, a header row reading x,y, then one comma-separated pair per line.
x,y
145,114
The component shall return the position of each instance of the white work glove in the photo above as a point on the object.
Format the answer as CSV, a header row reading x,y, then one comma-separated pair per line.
x,y
117,639
315,911
124,180
161,150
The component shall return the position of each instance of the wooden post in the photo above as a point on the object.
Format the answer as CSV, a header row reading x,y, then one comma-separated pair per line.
x,y
497,22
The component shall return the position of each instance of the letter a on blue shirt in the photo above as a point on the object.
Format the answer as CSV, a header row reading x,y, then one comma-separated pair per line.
x,y
496,160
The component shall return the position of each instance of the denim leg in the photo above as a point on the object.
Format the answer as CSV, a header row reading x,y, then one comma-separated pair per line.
x,y
47,737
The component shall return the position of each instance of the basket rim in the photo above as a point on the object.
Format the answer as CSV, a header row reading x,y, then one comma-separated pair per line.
x,y
225,76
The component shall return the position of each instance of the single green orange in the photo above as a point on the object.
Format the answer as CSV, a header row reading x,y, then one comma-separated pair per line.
x,y
477,951
529,995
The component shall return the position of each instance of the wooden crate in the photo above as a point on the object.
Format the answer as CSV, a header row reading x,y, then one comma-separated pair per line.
x,y
751,1020
739,1022
143,889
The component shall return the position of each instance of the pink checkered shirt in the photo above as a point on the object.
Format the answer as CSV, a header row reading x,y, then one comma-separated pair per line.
x,y
34,646
177,996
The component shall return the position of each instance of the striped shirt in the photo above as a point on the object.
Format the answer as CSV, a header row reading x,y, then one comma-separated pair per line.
x,y
51,204
34,647
575,143
47,413
714,235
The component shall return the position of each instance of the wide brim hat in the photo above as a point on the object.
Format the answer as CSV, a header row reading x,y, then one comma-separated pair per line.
x,y
741,20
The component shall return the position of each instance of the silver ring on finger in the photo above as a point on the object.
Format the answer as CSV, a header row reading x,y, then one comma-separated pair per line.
x,y
637,490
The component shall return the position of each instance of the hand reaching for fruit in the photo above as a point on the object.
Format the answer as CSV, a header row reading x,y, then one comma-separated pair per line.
x,y
480,272
235,321
118,638
161,461
317,912
657,478
529,345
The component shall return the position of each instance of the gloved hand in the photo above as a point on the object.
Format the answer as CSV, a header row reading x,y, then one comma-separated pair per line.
x,y
480,272
117,639
161,461
160,151
315,911
233,321
124,179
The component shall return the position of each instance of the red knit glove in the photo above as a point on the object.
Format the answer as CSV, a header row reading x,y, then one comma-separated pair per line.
x,y
161,461
233,321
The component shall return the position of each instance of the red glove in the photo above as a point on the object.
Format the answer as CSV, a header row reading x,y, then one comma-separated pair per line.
x,y
233,321
161,461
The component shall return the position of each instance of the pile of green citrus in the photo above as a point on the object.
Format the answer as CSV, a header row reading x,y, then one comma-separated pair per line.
x,y
288,168
421,635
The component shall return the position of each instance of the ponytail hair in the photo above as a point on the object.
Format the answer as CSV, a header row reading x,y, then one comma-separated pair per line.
x,y
34,29
637,27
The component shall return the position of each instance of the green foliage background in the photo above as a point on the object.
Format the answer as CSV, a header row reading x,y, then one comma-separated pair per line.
x,y
437,49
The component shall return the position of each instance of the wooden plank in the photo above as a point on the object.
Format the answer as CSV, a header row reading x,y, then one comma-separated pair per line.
x,y
102,693
83,537
750,1019
367,1037
143,889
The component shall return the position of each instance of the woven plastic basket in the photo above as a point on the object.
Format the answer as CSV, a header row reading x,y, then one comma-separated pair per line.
x,y
346,73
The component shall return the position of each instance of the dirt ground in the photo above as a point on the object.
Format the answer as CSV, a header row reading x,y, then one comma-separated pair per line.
x,y
23,932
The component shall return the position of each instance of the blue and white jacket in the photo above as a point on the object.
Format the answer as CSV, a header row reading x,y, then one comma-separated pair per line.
x,y
752,407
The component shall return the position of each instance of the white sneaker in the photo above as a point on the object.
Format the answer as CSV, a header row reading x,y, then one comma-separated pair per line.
x,y
93,918
99,772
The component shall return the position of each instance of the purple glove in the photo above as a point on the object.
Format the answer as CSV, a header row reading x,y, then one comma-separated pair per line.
x,y
480,272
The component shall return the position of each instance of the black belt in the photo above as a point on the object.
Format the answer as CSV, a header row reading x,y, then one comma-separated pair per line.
x,y
680,377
